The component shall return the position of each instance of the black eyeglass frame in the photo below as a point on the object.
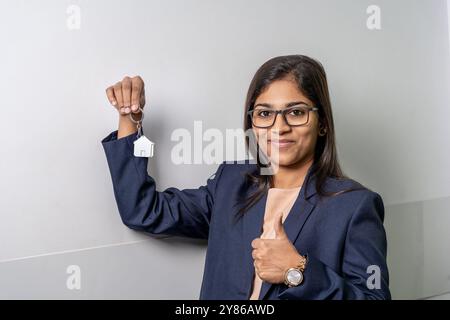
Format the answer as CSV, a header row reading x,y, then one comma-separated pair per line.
x,y
283,113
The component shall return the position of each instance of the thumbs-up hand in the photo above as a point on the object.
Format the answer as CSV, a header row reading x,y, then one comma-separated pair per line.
x,y
273,257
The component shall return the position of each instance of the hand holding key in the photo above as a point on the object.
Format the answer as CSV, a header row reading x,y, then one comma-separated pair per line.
x,y
127,95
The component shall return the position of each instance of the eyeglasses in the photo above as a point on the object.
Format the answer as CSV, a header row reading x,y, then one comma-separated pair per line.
x,y
294,116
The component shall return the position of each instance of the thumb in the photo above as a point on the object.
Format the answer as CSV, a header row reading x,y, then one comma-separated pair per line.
x,y
279,228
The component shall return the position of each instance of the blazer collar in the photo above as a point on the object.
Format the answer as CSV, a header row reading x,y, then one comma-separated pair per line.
x,y
253,223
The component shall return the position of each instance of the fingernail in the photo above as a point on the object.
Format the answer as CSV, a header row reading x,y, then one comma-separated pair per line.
x,y
134,107
127,110
114,102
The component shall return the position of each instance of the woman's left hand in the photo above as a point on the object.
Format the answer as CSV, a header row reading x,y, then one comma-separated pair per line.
x,y
273,257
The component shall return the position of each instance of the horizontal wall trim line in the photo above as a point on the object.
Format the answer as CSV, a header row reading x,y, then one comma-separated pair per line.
x,y
74,250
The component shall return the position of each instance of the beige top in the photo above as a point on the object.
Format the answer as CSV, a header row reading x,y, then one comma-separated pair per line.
x,y
278,200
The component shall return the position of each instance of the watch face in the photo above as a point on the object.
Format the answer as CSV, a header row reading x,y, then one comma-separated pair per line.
x,y
295,277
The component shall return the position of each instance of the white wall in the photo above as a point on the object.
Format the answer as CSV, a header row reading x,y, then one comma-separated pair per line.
x,y
389,91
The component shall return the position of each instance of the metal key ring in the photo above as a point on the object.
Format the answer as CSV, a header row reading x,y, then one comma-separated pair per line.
x,y
140,120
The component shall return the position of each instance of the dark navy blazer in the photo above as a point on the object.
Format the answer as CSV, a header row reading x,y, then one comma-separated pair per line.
x,y
342,236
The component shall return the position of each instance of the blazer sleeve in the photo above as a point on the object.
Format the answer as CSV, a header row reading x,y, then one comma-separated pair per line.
x,y
184,212
364,270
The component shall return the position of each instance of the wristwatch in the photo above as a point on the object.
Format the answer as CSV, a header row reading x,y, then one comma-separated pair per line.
x,y
294,276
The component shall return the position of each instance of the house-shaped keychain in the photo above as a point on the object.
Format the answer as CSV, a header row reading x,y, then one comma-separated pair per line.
x,y
143,147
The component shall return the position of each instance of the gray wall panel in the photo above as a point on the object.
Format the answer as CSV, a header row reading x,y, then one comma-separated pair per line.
x,y
390,98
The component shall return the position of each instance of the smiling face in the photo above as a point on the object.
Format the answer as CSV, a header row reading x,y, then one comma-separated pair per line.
x,y
295,144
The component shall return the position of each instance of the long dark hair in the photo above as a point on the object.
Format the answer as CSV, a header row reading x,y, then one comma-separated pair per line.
x,y
311,79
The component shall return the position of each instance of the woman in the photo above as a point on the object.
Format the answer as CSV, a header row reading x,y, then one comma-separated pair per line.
x,y
304,232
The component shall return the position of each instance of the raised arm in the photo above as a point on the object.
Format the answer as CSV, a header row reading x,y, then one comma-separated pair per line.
x,y
172,211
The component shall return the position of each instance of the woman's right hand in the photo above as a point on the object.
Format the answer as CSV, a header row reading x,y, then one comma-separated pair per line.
x,y
127,95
